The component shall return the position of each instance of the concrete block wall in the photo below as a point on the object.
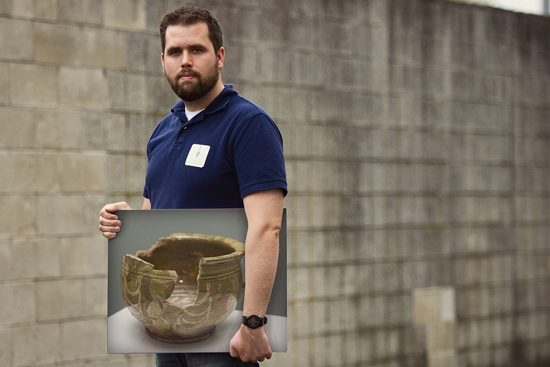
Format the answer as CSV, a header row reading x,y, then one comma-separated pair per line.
x,y
417,148
82,87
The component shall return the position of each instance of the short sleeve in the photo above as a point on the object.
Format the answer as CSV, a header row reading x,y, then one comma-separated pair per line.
x,y
258,156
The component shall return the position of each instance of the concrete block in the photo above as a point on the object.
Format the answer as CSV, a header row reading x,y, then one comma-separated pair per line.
x,y
144,55
319,276
17,216
336,319
333,341
245,61
240,23
6,346
115,88
19,303
302,172
319,211
434,305
82,88
136,173
324,176
60,299
353,345
320,350
443,360
92,131
309,70
24,345
137,132
23,169
440,336
6,250
17,126
23,8
316,243
301,314
365,177
299,289
23,262
84,256
72,45
136,92
154,12
80,11
72,220
5,6
58,130
92,206
33,85
366,205
125,14
412,178
294,146
299,349
45,9
47,258
48,340
82,173
271,31
73,348
4,80
115,174
96,290
59,44
160,97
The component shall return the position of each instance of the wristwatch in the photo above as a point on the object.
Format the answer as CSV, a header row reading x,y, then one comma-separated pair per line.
x,y
254,321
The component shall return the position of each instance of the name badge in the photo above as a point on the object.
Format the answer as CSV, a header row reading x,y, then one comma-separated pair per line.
x,y
197,155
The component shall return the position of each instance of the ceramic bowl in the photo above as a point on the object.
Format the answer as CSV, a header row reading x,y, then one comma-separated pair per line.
x,y
184,285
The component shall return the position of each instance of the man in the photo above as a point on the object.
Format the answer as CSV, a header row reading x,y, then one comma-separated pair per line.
x,y
215,150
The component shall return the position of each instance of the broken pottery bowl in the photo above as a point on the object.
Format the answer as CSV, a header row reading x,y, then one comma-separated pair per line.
x,y
184,285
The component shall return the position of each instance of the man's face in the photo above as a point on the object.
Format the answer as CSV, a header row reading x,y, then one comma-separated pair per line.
x,y
190,63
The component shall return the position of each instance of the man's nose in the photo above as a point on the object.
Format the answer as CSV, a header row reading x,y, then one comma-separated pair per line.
x,y
186,59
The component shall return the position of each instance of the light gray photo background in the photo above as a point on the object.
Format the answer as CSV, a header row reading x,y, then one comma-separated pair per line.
x,y
142,228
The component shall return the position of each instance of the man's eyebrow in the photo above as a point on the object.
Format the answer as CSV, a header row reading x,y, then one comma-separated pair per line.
x,y
198,45
189,47
173,48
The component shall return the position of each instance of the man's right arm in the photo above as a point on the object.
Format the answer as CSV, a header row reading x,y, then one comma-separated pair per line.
x,y
109,224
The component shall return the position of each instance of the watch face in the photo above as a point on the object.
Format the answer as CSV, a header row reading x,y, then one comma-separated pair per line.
x,y
253,322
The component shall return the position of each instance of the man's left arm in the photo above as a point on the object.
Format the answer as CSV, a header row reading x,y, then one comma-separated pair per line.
x,y
264,210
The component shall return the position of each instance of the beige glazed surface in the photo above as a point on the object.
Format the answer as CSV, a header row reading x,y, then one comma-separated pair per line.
x,y
184,285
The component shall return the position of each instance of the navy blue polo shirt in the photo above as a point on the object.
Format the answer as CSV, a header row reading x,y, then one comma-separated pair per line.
x,y
229,150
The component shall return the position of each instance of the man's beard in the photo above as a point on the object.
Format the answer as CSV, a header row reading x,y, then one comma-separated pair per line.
x,y
195,89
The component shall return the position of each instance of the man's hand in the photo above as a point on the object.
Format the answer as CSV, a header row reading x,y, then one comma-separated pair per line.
x,y
250,345
109,225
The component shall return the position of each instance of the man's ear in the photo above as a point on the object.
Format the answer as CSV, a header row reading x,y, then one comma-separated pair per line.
x,y
221,57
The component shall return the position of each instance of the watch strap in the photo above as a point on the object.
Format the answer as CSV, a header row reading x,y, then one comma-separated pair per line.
x,y
254,321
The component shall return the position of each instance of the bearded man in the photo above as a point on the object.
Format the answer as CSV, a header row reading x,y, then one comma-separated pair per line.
x,y
215,149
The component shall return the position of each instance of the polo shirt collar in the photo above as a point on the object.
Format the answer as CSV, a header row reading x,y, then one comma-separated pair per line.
x,y
219,103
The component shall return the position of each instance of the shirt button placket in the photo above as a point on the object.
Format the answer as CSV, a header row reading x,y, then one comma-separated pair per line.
x,y
179,138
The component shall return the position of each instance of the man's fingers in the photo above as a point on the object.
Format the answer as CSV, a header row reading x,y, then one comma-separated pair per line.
x,y
109,223
108,235
106,213
113,229
108,209
233,352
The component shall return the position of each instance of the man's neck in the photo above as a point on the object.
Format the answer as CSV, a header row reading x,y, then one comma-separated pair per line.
x,y
202,103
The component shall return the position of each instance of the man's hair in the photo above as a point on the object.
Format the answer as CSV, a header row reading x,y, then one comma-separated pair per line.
x,y
189,15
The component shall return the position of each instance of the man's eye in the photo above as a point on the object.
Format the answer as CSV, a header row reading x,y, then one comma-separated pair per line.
x,y
197,50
